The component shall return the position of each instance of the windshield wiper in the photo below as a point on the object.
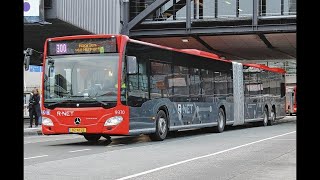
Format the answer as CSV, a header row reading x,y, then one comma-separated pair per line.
x,y
101,102
93,98
109,93
74,100
62,101
59,102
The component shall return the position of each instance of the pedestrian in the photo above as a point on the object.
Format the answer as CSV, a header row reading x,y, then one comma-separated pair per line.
x,y
34,107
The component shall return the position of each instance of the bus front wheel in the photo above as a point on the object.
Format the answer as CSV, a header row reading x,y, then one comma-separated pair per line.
x,y
161,127
92,137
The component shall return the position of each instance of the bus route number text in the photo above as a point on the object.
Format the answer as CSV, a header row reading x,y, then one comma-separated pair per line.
x,y
61,48
119,112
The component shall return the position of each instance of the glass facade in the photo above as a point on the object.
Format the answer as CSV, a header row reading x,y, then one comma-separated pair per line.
x,y
227,8
245,8
208,9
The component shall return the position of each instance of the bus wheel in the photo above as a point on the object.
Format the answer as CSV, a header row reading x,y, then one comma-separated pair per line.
x,y
272,117
265,117
161,127
221,121
107,137
92,137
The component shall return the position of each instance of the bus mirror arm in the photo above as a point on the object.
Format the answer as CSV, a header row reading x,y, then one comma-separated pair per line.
x,y
26,62
27,53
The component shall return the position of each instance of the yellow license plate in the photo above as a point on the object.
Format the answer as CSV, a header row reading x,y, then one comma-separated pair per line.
x,y
77,130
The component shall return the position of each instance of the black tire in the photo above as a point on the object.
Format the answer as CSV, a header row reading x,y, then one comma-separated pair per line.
x,y
161,127
92,137
221,121
107,137
272,119
173,133
265,117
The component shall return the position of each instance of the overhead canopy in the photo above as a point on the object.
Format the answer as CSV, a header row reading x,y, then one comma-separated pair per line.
x,y
237,47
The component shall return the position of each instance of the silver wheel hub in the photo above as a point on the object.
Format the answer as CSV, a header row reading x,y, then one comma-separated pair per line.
x,y
220,120
162,125
265,117
272,116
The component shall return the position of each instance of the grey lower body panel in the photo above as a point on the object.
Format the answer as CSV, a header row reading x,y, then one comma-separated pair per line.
x,y
142,131
254,120
193,126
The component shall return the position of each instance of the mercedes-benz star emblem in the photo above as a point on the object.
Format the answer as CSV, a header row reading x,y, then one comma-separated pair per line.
x,y
77,121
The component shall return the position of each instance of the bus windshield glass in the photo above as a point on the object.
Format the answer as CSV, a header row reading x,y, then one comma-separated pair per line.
x,y
83,78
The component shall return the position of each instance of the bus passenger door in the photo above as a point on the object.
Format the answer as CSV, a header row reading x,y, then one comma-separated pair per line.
x,y
253,96
137,93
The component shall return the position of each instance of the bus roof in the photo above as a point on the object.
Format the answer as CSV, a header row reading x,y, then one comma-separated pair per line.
x,y
264,67
187,51
82,37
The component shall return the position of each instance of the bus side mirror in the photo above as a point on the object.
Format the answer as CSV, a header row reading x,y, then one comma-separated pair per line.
x,y
26,62
51,71
132,67
27,54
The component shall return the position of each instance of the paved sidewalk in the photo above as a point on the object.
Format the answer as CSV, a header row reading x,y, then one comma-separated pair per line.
x,y
31,131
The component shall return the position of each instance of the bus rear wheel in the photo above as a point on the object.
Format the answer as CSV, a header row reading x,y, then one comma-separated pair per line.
x,y
161,127
221,121
92,137
265,117
272,119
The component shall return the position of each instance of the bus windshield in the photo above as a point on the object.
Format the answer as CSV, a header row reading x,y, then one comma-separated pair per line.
x,y
83,78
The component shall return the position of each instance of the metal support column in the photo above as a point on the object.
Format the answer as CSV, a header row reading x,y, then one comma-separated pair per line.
x,y
195,9
188,14
238,7
174,10
125,15
216,8
255,14
282,7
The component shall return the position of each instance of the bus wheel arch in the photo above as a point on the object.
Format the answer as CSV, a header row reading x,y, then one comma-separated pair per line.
x,y
165,109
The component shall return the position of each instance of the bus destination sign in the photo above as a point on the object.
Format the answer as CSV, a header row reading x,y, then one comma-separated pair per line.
x,y
83,46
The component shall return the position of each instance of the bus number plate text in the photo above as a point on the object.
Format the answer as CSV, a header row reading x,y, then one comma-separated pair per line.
x,y
119,112
77,130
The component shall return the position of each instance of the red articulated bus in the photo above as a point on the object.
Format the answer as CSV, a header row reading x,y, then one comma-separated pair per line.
x,y
108,85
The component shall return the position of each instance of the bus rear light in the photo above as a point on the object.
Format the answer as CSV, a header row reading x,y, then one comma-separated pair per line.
x,y
115,120
47,121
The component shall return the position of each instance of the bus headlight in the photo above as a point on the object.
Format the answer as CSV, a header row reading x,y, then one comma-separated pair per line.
x,y
47,121
115,120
